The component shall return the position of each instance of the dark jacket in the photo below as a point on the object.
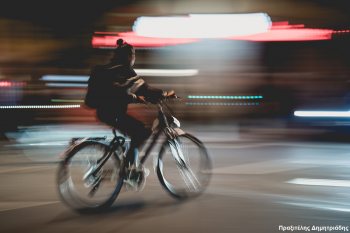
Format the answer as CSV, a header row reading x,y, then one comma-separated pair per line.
x,y
120,85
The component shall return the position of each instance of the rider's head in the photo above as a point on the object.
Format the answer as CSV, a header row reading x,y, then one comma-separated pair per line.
x,y
124,53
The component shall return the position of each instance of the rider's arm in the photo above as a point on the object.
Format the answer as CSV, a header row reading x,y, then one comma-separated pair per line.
x,y
150,93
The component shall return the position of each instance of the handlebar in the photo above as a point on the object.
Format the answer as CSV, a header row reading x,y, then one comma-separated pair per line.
x,y
172,97
142,100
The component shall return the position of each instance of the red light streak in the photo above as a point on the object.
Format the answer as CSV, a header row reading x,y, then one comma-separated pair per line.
x,y
11,84
279,31
283,31
292,34
5,84
285,25
342,31
137,41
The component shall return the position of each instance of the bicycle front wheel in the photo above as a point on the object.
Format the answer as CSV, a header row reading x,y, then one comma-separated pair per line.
x,y
184,166
81,184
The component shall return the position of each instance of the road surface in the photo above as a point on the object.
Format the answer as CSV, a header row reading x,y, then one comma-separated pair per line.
x,y
257,186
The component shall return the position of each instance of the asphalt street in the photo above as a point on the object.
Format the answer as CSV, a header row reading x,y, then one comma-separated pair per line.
x,y
257,186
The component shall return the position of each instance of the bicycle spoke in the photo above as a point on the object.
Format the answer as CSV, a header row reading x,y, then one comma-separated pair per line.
x,y
177,153
88,173
84,183
190,179
181,165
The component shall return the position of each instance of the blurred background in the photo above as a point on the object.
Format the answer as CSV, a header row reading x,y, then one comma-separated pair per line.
x,y
264,84
299,61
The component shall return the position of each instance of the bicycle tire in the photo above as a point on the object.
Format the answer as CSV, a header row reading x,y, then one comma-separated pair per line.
x,y
68,186
170,172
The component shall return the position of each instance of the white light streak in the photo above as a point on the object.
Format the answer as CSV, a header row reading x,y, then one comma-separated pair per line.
x,y
322,114
202,25
141,72
327,206
74,85
320,182
48,144
38,106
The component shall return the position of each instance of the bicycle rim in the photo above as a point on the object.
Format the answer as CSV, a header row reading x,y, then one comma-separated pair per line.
x,y
190,178
81,191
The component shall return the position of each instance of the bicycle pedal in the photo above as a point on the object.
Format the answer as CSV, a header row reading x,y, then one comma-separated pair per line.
x,y
130,182
136,179
131,185
146,172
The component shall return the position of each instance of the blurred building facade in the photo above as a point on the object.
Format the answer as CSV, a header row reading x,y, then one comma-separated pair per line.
x,y
230,74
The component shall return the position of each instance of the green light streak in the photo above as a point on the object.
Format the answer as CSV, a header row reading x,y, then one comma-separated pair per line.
x,y
66,101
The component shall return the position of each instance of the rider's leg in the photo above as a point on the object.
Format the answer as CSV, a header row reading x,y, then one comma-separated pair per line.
x,y
138,134
130,126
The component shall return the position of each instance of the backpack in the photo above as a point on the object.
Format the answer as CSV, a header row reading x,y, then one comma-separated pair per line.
x,y
93,97
104,87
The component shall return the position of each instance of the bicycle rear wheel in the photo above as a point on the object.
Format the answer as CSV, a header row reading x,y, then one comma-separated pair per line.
x,y
184,169
82,190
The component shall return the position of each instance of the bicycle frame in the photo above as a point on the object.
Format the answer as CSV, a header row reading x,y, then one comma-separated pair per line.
x,y
162,127
117,141
173,148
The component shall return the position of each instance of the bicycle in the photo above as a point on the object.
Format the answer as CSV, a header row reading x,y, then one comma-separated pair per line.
x,y
93,170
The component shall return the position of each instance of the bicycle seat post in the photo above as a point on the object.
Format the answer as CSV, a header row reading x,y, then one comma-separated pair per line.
x,y
117,140
114,132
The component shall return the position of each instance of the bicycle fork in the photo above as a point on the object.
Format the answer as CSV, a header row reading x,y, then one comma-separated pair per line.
x,y
185,170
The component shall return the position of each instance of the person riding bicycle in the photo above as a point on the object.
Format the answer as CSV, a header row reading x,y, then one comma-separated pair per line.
x,y
122,86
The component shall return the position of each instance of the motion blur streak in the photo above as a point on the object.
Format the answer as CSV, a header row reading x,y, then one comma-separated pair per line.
x,y
223,104
11,84
282,31
142,72
224,97
327,206
156,32
322,113
285,25
320,182
67,78
66,101
168,73
107,41
5,84
272,109
38,106
196,25
74,85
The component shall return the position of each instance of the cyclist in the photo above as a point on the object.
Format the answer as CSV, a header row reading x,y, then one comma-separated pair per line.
x,y
122,86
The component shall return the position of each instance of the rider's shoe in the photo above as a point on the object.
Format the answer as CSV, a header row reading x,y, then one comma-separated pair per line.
x,y
136,177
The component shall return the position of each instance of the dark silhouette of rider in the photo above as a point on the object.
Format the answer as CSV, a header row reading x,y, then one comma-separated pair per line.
x,y
121,87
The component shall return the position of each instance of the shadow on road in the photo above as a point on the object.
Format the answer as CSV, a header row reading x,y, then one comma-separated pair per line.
x,y
123,211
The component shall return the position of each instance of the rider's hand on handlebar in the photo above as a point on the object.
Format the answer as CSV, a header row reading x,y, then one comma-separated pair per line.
x,y
169,94
165,95
141,99
138,99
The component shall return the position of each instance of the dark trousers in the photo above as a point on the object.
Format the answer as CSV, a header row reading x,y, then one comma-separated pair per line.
x,y
130,126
